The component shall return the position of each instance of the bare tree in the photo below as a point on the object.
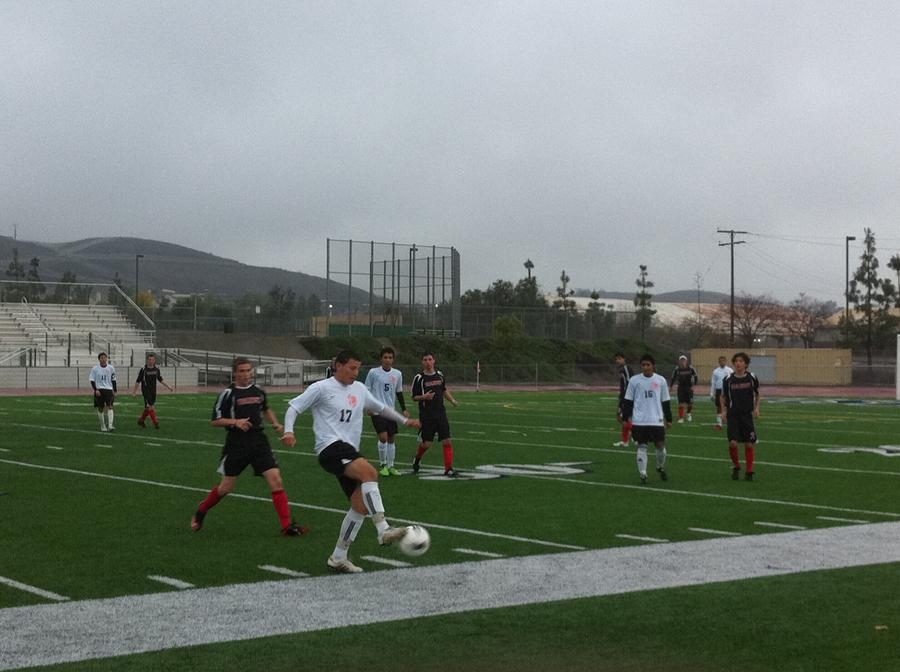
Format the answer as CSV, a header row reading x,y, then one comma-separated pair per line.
x,y
804,316
754,316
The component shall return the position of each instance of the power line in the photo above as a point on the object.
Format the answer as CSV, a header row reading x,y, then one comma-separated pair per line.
x,y
731,244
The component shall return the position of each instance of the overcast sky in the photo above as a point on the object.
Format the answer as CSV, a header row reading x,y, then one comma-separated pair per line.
x,y
586,136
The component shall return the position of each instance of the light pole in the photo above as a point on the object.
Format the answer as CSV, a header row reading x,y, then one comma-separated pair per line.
x,y
847,240
328,323
137,261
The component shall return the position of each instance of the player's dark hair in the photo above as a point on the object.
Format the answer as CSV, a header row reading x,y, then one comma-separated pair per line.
x,y
238,361
102,354
387,350
426,353
345,356
742,355
619,354
648,358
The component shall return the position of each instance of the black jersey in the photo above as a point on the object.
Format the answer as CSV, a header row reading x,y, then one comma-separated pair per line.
x,y
242,402
740,393
430,382
147,377
625,375
685,376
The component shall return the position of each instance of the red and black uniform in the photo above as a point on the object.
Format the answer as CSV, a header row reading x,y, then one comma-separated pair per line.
x,y
148,377
686,378
432,412
250,448
741,394
625,375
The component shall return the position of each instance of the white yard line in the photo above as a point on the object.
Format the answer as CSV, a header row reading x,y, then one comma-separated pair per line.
x,y
385,561
654,540
843,520
283,570
55,447
483,554
781,526
723,533
91,629
169,581
12,583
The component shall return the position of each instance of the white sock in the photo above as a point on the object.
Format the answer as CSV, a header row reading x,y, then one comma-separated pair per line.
x,y
102,421
109,418
353,521
372,500
391,453
642,459
719,420
661,457
382,450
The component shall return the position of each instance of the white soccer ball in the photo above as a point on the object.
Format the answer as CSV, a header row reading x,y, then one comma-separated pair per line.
x,y
416,541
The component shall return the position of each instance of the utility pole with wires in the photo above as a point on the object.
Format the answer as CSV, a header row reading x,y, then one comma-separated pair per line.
x,y
731,244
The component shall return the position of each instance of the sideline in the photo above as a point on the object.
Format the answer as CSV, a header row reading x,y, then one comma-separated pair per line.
x,y
91,629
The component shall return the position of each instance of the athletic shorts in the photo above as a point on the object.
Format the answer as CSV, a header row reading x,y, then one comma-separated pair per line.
x,y
384,425
685,395
106,398
432,426
244,450
741,428
149,399
647,434
717,399
335,458
620,407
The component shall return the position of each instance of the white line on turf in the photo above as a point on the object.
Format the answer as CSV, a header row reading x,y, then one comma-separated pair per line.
x,y
4,450
782,526
843,520
706,530
283,570
55,447
12,583
169,581
636,538
155,445
386,561
327,509
470,551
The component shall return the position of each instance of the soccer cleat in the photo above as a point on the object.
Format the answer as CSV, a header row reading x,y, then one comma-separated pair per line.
x,y
718,427
416,466
662,474
103,428
197,520
451,473
343,566
394,472
142,424
643,479
680,421
391,535
111,428
294,530
156,425
690,417
735,473
621,444
384,471
748,476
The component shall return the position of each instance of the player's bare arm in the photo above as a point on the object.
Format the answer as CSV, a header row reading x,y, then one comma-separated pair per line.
x,y
450,398
273,420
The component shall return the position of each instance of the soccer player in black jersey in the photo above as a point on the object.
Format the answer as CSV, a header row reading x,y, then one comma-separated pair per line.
x,y
740,404
240,409
685,377
146,380
430,389
625,375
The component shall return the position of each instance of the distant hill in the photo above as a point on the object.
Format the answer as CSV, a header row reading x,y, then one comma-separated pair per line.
x,y
678,296
164,266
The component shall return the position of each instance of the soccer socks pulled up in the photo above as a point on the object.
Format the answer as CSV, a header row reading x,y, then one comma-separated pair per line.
x,y
390,453
102,421
448,456
735,458
152,414
382,453
353,521
420,451
211,500
749,456
280,500
143,416
626,431
371,497
681,411
110,417
642,459
661,458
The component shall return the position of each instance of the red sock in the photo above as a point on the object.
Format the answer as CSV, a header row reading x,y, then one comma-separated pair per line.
x,y
143,415
211,500
152,413
448,455
749,454
733,451
681,411
280,500
626,431
421,451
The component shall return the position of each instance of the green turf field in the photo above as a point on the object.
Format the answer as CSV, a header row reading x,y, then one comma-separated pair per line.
x,y
89,515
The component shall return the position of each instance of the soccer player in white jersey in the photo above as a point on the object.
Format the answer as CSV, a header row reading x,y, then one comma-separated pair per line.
x,y
338,405
103,383
719,374
386,384
648,405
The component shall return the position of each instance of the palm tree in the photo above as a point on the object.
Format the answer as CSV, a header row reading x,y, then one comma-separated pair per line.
x,y
528,266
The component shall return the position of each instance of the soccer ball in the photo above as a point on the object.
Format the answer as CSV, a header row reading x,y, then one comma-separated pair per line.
x,y
416,541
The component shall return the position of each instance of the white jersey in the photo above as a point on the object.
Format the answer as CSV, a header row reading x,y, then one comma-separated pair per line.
x,y
338,411
719,374
103,377
384,385
648,394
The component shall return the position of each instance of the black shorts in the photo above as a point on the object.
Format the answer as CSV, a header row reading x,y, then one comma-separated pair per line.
x,y
685,395
384,425
335,458
105,398
620,407
741,428
717,399
432,426
244,450
646,434
150,399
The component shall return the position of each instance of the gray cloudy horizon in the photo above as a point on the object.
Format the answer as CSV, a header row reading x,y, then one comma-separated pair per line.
x,y
591,137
